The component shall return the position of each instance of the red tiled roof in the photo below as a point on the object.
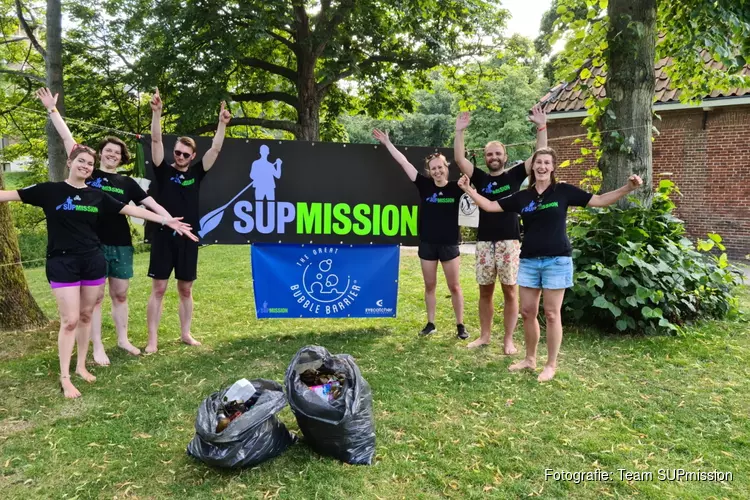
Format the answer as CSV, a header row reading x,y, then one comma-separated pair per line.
x,y
564,97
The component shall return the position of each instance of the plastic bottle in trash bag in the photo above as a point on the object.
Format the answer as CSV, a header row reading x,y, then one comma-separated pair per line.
x,y
343,428
253,437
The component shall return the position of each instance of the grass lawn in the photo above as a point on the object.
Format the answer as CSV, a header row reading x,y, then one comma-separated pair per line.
x,y
450,422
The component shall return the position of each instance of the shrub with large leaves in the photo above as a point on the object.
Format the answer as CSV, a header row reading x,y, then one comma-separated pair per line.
x,y
637,272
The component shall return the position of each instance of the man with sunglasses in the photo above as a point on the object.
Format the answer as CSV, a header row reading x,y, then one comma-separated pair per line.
x,y
498,247
177,189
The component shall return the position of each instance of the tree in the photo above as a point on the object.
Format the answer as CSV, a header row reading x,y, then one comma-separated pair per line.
x,y
18,309
282,61
631,40
620,36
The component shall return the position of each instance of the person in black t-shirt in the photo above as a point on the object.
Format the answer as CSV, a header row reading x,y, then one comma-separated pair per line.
x,y
75,264
113,230
177,189
438,230
546,263
497,248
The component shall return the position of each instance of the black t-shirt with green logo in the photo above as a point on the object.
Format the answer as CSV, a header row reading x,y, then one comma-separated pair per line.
x,y
72,215
497,226
544,218
113,229
438,211
178,191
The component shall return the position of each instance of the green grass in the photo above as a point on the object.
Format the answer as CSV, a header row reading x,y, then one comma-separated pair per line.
x,y
450,422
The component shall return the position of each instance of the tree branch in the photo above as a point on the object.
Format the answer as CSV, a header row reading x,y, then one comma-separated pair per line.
x,y
258,122
270,67
19,103
12,40
27,29
292,45
325,25
24,75
266,97
324,84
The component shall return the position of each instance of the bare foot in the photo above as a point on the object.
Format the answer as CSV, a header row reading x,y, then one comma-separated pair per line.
x,y
509,348
547,374
85,375
129,348
480,342
523,365
100,357
68,389
151,348
189,340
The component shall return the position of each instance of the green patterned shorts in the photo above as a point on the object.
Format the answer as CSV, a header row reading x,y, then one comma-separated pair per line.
x,y
119,261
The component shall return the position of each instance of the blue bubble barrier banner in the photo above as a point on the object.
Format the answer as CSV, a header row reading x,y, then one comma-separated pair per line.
x,y
325,281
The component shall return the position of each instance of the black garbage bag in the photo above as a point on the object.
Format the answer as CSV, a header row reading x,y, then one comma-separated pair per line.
x,y
253,437
343,428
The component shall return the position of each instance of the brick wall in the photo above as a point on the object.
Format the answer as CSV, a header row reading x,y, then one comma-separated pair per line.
x,y
707,154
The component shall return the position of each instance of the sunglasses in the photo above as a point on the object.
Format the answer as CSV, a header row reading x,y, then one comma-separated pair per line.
x,y
182,153
431,156
539,200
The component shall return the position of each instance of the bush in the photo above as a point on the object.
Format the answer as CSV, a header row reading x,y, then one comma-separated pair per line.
x,y
468,234
637,272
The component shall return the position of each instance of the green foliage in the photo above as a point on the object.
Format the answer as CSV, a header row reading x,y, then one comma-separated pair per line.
x,y
468,233
431,123
637,272
32,243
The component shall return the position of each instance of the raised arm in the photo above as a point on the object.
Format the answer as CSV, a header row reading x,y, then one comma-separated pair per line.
x,y
459,151
173,222
606,199
9,196
157,146
397,155
50,101
210,157
539,118
481,201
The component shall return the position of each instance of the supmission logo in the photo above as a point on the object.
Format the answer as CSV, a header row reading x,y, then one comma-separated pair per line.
x,y
321,287
267,216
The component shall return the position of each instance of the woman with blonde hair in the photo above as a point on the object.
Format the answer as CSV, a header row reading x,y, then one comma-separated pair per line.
x,y
438,230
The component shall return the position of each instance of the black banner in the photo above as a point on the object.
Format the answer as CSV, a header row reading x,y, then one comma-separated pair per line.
x,y
275,191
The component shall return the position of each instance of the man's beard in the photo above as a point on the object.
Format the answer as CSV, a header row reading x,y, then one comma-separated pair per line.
x,y
495,166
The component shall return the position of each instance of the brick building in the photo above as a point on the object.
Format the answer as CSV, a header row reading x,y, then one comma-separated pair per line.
x,y
704,149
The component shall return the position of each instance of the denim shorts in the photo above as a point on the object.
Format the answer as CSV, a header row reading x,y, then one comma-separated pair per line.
x,y
551,273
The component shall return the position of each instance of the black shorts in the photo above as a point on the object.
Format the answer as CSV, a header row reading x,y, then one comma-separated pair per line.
x,y
435,251
170,251
67,269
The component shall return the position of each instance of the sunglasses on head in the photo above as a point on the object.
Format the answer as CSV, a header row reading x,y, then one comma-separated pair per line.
x,y
431,156
182,153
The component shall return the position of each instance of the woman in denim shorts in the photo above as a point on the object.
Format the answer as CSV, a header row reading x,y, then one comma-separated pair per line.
x,y
546,263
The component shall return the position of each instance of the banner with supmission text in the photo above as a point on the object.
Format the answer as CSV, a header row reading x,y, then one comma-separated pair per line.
x,y
306,192
325,281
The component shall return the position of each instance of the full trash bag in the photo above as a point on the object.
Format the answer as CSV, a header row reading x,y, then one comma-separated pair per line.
x,y
253,437
343,428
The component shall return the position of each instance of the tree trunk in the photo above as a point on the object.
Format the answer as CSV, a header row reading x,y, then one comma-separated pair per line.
x,y
56,156
18,309
308,115
630,86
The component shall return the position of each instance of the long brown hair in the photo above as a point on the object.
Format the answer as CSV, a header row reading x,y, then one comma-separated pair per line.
x,y
543,151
